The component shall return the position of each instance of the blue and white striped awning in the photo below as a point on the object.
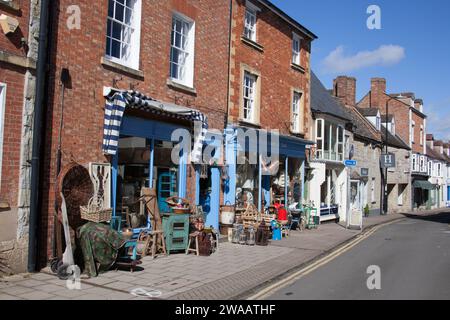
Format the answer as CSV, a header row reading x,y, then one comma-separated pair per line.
x,y
118,101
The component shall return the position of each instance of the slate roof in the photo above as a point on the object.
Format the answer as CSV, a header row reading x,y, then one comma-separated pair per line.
x,y
363,127
323,102
368,112
435,155
393,140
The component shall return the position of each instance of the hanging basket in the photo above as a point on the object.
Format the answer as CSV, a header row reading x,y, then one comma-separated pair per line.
x,y
95,211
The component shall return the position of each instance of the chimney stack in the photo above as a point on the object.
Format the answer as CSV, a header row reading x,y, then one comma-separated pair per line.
x,y
377,91
344,88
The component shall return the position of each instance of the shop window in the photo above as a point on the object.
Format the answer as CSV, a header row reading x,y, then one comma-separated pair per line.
x,y
182,50
247,180
401,191
123,32
134,173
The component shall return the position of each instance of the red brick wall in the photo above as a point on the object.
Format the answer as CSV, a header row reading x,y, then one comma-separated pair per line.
x,y
274,64
12,131
81,51
378,98
12,43
13,77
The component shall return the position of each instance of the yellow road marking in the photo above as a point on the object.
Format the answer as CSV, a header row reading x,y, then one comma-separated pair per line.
x,y
315,265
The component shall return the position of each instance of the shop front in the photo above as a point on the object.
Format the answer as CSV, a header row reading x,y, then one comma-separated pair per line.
x,y
139,135
255,178
424,194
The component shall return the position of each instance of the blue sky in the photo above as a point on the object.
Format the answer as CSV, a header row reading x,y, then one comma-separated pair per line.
x,y
412,49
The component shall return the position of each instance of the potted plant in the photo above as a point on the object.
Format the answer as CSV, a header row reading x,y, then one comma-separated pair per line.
x,y
366,210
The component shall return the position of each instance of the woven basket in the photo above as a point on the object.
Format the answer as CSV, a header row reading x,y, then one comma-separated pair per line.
x,y
95,211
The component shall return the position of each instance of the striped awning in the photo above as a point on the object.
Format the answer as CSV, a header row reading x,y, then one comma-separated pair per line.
x,y
118,101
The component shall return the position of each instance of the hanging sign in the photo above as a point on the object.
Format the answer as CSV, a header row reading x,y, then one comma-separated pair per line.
x,y
387,160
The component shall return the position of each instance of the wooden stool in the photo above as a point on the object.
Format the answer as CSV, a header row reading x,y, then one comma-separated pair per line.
x,y
154,243
196,250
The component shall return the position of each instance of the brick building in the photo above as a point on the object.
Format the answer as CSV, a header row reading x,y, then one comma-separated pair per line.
x,y
269,89
174,52
18,55
405,114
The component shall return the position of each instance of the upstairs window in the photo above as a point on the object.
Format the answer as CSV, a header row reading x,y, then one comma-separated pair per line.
x,y
421,135
430,168
329,141
296,41
250,23
378,122
296,112
413,128
182,50
123,32
414,163
249,88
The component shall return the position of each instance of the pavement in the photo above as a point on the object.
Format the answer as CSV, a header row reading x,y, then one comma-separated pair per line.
x,y
234,272
413,256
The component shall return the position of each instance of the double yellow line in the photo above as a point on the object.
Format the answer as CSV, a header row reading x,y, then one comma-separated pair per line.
x,y
267,291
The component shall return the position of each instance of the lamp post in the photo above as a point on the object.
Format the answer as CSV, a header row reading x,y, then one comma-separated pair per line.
x,y
385,200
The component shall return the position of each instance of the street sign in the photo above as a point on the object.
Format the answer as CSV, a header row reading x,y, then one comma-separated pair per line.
x,y
387,161
350,163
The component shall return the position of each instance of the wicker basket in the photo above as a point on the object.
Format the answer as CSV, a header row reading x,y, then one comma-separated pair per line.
x,y
95,211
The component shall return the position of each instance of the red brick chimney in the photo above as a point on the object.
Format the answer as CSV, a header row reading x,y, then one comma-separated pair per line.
x,y
377,90
344,88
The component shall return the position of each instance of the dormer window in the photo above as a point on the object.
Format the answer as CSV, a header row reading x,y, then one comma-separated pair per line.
x,y
378,122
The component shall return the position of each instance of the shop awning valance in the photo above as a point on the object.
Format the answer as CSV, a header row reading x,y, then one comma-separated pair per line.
x,y
423,184
118,101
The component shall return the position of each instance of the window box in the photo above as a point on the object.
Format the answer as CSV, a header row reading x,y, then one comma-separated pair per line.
x,y
252,44
121,68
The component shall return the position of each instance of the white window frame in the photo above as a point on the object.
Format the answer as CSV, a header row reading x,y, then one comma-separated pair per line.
x,y
296,49
430,168
421,135
378,122
184,73
413,127
320,136
132,44
296,111
3,88
414,163
250,22
340,143
249,97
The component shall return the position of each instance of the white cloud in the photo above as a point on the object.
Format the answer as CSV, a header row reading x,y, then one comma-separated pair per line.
x,y
385,55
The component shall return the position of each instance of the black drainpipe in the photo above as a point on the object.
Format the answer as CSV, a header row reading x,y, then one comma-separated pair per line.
x,y
41,71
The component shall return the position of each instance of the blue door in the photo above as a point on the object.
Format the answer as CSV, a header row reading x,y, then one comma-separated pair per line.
x,y
209,196
167,186
448,193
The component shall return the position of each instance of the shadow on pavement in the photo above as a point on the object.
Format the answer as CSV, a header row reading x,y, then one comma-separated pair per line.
x,y
443,217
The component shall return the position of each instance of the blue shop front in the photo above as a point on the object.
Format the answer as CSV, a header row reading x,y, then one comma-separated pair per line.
x,y
139,136
251,178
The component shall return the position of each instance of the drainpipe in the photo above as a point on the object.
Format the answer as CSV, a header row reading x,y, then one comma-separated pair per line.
x,y
229,62
37,136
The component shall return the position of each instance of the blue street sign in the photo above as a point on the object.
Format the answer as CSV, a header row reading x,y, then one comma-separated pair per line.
x,y
350,163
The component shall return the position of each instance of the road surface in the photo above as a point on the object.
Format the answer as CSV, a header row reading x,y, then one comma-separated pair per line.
x,y
414,260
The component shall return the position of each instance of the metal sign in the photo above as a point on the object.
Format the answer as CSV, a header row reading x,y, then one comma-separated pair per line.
x,y
364,172
387,160
350,163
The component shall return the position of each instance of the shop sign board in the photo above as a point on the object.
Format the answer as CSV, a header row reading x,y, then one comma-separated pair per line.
x,y
387,161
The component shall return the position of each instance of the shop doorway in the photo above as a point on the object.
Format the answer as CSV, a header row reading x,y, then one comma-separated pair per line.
x,y
209,193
